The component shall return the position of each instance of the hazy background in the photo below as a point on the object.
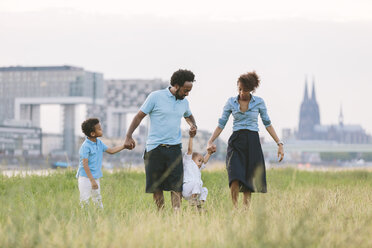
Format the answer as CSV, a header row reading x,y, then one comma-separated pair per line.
x,y
218,40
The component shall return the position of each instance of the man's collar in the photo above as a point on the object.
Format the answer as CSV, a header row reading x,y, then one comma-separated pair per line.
x,y
169,93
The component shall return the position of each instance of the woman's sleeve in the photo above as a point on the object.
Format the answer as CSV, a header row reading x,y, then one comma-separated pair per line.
x,y
264,116
225,115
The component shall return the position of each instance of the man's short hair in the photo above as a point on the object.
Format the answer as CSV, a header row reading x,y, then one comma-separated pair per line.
x,y
88,126
181,76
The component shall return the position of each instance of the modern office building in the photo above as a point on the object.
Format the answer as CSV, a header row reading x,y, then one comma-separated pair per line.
x,y
123,97
24,89
20,141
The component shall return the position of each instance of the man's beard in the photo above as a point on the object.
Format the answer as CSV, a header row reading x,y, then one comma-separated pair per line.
x,y
178,97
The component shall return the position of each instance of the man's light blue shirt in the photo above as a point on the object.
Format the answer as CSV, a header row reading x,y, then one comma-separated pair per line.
x,y
165,114
93,151
245,120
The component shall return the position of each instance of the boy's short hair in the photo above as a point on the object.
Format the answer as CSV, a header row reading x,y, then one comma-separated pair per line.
x,y
88,126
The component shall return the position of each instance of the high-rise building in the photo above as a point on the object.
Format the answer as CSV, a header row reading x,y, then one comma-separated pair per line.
x,y
20,141
123,97
24,89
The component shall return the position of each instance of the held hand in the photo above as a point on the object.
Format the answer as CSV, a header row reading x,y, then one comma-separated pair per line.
x,y
129,143
211,148
94,184
280,153
192,131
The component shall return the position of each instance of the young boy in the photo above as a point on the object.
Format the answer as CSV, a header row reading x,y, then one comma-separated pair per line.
x,y
90,165
193,189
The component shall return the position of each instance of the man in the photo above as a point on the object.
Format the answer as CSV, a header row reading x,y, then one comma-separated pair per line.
x,y
163,155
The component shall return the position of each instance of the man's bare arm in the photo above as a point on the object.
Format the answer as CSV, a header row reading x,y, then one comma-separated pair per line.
x,y
129,141
190,120
193,128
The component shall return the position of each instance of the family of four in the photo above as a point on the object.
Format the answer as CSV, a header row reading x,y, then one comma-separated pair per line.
x,y
167,169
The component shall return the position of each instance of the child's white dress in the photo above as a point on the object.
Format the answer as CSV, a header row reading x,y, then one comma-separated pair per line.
x,y
192,183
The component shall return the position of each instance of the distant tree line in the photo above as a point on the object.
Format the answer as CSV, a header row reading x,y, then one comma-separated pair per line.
x,y
345,156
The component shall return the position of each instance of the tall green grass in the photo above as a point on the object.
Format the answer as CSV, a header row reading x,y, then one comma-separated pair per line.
x,y
302,209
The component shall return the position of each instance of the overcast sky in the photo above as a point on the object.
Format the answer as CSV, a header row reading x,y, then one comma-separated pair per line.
x,y
218,40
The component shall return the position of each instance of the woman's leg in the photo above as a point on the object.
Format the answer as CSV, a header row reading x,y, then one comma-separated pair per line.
x,y
159,199
247,199
234,188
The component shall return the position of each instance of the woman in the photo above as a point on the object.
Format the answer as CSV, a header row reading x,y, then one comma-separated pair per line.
x,y
244,159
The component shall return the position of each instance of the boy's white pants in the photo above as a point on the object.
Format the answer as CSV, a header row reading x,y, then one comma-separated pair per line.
x,y
86,192
191,188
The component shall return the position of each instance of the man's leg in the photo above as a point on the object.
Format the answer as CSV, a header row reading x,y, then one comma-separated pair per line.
x,y
234,192
159,199
176,200
174,175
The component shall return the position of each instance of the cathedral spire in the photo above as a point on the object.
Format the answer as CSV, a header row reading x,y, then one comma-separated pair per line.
x,y
341,117
306,95
313,96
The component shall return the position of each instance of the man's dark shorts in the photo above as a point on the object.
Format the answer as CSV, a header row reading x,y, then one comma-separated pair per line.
x,y
164,169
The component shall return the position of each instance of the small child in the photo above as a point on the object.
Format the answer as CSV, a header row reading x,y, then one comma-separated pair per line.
x,y
90,165
193,189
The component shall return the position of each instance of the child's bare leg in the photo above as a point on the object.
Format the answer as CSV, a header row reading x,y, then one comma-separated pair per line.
x,y
193,200
247,199
234,188
159,199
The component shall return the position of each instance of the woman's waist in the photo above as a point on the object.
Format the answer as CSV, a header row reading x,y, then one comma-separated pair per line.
x,y
253,126
245,129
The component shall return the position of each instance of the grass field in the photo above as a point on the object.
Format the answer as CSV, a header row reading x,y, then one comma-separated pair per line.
x,y
302,209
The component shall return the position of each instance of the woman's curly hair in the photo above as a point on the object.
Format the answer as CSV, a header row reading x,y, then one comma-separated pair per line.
x,y
181,76
88,126
250,80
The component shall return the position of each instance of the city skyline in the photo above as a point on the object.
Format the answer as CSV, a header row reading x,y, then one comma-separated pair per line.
x,y
281,41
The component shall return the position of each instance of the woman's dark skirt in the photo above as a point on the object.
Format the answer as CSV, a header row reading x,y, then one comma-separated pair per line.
x,y
245,161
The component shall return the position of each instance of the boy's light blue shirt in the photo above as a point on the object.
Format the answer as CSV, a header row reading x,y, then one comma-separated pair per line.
x,y
93,151
165,118
245,120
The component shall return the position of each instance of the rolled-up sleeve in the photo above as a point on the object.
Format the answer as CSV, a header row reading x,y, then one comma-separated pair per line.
x,y
225,115
264,116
